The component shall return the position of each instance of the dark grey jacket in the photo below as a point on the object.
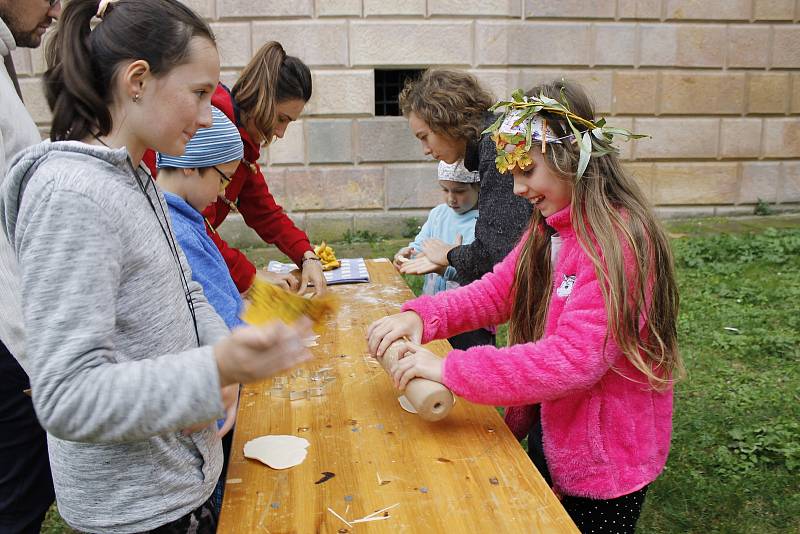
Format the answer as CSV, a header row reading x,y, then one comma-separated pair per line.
x,y
502,216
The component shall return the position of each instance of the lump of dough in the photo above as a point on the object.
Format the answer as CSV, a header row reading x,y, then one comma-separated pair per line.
x,y
278,452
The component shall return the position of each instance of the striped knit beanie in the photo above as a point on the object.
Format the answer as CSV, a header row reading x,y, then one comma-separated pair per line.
x,y
218,144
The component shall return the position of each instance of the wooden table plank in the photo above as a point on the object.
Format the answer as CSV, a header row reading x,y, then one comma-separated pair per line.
x,y
465,473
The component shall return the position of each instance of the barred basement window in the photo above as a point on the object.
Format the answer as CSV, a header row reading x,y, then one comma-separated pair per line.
x,y
388,84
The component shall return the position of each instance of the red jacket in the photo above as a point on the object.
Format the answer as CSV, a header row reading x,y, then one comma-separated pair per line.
x,y
248,191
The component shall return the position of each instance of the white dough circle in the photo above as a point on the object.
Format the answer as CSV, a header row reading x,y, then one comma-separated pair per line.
x,y
277,451
406,404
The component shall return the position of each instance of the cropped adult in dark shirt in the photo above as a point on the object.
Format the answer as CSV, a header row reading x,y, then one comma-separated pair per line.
x,y
447,111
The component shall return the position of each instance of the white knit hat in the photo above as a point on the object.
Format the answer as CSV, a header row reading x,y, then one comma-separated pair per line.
x,y
456,172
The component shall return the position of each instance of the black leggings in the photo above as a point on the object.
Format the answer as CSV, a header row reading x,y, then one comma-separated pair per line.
x,y
591,516
610,516
203,520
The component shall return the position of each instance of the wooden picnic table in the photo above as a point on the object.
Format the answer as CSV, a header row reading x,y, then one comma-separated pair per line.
x,y
465,473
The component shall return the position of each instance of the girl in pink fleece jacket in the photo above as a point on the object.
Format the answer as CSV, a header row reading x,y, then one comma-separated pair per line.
x,y
590,296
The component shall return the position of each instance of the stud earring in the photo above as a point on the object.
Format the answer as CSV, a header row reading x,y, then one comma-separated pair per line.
x,y
136,98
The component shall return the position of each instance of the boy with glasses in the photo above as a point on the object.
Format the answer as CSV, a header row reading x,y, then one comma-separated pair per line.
x,y
190,183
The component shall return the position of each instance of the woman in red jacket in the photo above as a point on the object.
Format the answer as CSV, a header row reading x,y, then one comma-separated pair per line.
x,y
270,93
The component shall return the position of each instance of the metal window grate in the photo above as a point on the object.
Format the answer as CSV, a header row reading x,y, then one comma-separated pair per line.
x,y
388,84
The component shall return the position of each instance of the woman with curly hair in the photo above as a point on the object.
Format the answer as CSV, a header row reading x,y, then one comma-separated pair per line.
x,y
447,111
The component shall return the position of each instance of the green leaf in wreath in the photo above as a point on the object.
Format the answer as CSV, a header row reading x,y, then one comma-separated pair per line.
x,y
529,136
495,125
586,152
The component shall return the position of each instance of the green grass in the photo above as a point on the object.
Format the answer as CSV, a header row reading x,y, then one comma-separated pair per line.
x,y
735,458
735,454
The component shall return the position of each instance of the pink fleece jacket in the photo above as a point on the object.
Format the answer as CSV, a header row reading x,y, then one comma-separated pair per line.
x,y
606,433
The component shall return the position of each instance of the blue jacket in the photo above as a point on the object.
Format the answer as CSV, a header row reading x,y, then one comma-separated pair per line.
x,y
445,224
208,267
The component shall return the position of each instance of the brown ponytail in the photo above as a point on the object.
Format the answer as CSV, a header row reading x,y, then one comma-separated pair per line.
x,y
269,78
82,61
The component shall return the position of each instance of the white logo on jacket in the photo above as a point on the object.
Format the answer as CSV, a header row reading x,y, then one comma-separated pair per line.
x,y
566,286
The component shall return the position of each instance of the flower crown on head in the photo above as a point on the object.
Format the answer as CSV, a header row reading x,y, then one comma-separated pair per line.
x,y
519,126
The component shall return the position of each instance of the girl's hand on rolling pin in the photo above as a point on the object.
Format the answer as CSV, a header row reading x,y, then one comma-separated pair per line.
x,y
416,362
253,353
386,331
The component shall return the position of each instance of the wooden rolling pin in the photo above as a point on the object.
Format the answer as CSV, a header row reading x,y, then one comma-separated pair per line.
x,y
431,400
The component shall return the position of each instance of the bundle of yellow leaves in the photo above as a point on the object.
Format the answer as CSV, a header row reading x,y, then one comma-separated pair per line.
x,y
268,302
511,152
327,256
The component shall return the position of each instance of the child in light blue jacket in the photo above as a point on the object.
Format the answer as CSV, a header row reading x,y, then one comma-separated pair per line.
x,y
452,222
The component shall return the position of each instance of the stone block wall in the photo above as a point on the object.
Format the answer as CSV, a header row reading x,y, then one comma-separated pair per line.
x,y
716,83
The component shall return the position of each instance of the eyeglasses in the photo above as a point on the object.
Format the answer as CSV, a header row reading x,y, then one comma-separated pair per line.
x,y
224,180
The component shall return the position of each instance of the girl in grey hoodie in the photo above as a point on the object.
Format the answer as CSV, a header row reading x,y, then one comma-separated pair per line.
x,y
126,358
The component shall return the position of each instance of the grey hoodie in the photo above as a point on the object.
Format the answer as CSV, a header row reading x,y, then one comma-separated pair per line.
x,y
111,350
17,131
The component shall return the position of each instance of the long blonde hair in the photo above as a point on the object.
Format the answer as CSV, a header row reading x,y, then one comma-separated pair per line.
x,y
609,214
269,78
